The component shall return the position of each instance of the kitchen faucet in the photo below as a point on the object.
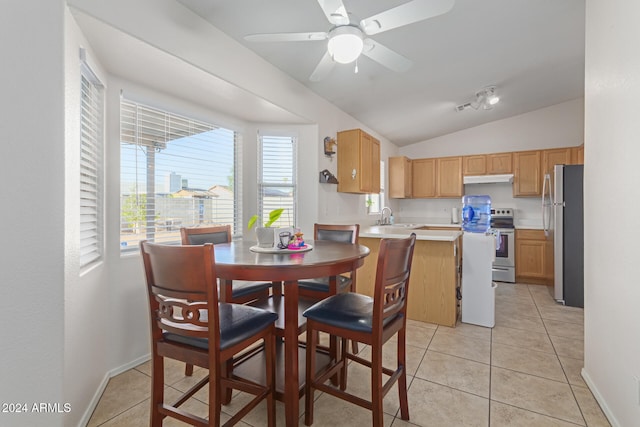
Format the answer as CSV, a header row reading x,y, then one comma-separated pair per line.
x,y
383,220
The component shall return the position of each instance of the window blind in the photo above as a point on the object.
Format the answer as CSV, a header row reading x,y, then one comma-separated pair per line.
x,y
176,172
91,182
277,178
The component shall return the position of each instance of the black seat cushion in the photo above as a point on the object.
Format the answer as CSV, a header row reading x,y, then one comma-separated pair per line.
x,y
347,311
321,284
237,322
241,288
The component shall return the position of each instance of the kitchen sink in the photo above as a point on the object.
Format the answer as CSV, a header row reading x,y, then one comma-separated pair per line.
x,y
402,225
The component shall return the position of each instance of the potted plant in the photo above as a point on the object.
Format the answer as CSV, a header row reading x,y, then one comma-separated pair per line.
x,y
265,235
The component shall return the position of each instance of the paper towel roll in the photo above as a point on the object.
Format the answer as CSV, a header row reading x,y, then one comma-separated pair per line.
x,y
455,216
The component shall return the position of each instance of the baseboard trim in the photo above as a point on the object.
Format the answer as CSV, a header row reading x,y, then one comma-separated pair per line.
x,y
103,385
603,404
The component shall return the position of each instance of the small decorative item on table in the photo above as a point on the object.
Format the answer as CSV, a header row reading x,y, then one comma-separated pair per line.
x,y
297,242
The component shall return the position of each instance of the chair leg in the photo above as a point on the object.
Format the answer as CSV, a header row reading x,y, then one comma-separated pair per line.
x,y
270,359
333,351
402,380
354,347
343,368
225,393
157,390
376,386
215,404
312,339
188,369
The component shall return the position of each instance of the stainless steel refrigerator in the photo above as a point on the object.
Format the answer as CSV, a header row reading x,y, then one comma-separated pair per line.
x,y
563,221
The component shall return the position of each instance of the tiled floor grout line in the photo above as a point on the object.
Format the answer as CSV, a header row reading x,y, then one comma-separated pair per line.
x,y
558,357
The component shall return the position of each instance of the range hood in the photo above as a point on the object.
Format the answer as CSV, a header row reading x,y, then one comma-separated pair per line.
x,y
489,179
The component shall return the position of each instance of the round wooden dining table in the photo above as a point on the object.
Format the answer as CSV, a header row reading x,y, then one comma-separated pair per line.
x,y
236,261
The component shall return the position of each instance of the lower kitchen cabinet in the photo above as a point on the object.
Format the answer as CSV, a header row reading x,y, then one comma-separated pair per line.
x,y
534,257
434,279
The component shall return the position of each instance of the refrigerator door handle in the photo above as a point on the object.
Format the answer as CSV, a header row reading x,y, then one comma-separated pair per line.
x,y
546,186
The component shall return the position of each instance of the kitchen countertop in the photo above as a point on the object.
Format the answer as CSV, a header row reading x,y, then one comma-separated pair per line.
x,y
399,231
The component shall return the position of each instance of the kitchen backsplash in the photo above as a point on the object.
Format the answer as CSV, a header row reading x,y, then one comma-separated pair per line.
x,y
527,209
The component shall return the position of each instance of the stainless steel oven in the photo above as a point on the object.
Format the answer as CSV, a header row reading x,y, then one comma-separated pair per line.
x,y
504,266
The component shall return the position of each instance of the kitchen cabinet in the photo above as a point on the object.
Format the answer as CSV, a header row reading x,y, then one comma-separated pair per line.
x,y
577,155
555,156
488,164
499,163
527,177
423,178
433,282
534,257
474,165
358,162
400,177
449,177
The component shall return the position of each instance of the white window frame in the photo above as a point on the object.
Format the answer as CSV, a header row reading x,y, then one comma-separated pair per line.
x,y
275,159
160,218
91,179
374,202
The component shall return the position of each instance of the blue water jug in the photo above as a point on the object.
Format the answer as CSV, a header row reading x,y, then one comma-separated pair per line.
x,y
476,213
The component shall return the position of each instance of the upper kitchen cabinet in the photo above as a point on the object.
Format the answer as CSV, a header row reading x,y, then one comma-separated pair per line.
x,y
474,165
527,177
577,155
487,164
555,156
424,177
500,163
358,162
449,177
400,177
437,177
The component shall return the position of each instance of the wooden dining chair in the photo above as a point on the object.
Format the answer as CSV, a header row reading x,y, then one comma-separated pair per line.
x,y
189,324
320,288
323,287
372,321
242,291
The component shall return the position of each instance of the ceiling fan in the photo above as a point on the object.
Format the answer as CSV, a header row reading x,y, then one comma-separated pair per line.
x,y
347,40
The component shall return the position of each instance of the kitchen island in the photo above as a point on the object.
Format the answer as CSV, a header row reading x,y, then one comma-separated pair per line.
x,y
435,272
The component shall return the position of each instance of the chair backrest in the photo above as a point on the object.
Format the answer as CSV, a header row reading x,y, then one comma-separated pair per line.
x,y
337,233
181,284
392,279
201,235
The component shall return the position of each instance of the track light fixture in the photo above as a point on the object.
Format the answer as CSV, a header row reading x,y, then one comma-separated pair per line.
x,y
486,98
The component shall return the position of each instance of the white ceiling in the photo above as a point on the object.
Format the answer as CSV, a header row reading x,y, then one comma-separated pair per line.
x,y
532,50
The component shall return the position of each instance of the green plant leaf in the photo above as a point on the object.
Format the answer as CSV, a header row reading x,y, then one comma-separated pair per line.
x,y
252,221
273,216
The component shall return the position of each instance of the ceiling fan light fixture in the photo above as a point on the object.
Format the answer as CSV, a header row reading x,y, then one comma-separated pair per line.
x,y
345,44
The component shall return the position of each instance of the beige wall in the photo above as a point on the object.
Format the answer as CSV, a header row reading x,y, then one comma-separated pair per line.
x,y
611,173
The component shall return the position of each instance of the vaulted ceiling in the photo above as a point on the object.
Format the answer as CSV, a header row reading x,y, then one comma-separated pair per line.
x,y
531,50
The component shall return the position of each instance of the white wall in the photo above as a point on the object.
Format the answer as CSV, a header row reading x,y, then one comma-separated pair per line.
x,y
86,291
612,293
560,125
32,215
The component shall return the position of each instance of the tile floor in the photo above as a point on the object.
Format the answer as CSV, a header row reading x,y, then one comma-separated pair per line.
x,y
523,372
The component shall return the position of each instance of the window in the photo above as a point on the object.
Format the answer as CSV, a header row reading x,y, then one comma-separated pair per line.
x,y
277,182
91,182
175,172
375,201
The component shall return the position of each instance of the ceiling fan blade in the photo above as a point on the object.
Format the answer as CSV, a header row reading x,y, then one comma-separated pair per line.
x,y
385,56
323,68
286,37
408,13
335,11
